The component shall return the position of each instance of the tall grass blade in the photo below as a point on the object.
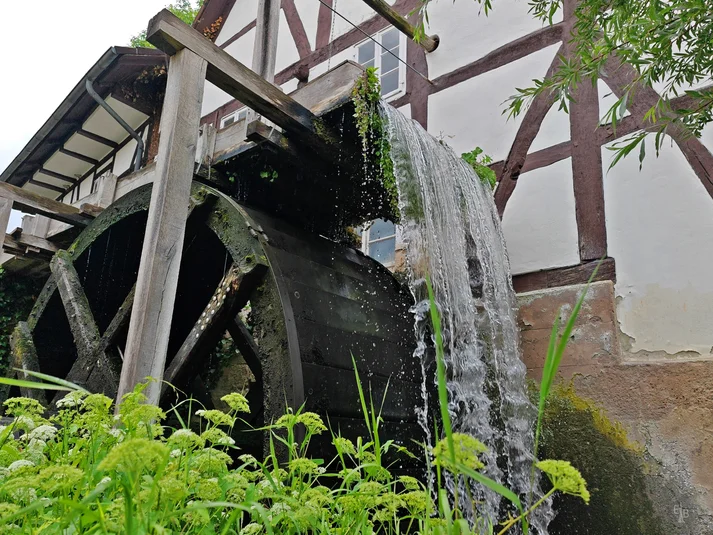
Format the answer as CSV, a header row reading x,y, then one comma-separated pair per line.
x,y
33,384
52,379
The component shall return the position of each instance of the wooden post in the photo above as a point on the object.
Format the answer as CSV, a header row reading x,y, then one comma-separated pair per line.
x,y
265,49
5,211
428,42
157,280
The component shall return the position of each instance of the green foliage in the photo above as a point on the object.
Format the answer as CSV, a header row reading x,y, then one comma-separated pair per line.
x,y
84,471
480,166
17,295
366,96
185,10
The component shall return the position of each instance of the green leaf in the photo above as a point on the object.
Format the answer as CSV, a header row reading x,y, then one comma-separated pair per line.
x,y
52,379
32,384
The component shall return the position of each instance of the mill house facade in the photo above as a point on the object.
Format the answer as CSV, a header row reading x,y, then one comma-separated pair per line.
x,y
644,339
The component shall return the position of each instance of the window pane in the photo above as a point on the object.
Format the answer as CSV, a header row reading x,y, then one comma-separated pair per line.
x,y
366,52
383,251
228,120
381,229
368,64
389,62
390,82
390,39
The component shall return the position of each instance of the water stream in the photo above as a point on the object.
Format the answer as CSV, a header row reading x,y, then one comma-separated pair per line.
x,y
452,232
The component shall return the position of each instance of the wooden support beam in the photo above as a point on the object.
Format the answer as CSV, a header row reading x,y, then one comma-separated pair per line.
x,y
79,315
21,241
24,357
91,209
265,49
97,138
259,132
31,203
157,281
58,176
5,212
168,33
230,296
428,42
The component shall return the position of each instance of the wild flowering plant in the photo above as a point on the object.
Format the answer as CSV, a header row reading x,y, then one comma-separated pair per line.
x,y
87,470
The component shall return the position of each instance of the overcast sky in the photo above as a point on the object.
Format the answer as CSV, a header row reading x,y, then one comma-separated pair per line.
x,y
46,46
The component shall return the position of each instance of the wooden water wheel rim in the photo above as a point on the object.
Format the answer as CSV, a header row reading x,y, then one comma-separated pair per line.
x,y
242,239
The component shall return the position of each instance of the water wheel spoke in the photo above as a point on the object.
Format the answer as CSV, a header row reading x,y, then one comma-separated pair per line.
x,y
230,296
244,342
83,327
119,322
24,356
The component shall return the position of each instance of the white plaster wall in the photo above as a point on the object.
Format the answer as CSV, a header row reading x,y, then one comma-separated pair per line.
x,y
286,49
660,229
470,114
309,13
242,14
467,34
539,223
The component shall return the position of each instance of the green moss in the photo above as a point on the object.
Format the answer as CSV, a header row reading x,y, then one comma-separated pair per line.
x,y
366,96
578,430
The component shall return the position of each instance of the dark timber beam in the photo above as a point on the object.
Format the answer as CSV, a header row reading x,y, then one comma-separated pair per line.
x,y
78,156
97,138
526,134
168,33
31,203
45,185
565,276
58,176
428,42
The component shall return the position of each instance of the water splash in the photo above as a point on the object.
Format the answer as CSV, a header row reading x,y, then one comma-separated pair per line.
x,y
452,232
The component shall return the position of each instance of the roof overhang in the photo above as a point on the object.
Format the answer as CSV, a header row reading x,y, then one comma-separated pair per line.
x,y
116,65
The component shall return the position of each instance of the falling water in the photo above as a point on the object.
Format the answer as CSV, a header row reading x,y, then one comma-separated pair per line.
x,y
452,233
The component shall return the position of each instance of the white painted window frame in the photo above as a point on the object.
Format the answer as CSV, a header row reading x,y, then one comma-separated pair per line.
x,y
366,242
393,95
235,116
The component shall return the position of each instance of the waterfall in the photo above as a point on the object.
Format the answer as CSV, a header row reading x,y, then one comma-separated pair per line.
x,y
452,233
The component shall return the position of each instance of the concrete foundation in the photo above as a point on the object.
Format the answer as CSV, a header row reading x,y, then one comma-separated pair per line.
x,y
658,410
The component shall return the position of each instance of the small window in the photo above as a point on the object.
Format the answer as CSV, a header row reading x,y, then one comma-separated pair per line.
x,y
385,58
379,241
234,117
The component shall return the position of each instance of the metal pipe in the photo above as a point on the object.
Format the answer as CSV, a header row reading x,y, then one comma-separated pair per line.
x,y
139,140
428,42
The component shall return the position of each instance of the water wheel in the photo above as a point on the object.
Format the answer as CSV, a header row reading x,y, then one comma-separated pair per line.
x,y
312,305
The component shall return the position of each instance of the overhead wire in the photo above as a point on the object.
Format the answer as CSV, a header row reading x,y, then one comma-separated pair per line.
x,y
371,38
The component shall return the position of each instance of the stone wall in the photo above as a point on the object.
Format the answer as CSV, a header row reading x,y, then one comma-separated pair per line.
x,y
658,408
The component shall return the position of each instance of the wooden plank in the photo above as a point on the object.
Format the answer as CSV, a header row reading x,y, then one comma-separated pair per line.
x,y
24,356
265,47
22,240
31,203
230,296
428,42
168,33
79,315
91,209
329,90
565,276
259,132
157,280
